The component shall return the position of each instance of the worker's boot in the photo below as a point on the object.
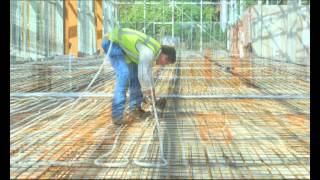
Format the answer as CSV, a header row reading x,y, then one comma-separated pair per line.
x,y
136,114
118,121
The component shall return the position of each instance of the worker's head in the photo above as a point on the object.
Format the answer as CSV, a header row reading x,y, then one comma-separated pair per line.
x,y
167,55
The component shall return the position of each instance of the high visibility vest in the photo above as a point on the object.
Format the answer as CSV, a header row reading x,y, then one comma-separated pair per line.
x,y
128,40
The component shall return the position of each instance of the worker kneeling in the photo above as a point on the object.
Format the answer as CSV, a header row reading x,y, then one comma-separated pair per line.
x,y
132,56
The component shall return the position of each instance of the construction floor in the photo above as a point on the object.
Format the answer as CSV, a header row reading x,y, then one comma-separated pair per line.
x,y
246,122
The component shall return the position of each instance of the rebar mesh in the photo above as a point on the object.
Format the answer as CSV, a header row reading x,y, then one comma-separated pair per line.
x,y
202,138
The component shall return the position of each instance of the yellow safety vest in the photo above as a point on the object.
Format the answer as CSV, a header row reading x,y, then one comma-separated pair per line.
x,y
128,40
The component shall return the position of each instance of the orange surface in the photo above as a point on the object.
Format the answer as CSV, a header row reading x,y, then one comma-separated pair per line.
x,y
70,27
99,23
218,129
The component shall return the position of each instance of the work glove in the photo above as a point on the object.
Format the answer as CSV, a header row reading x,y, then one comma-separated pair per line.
x,y
147,97
161,103
146,104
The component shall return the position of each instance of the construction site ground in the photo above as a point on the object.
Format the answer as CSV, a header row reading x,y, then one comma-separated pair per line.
x,y
224,119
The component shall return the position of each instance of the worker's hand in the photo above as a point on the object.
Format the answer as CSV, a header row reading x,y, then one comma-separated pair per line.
x,y
148,96
161,103
146,104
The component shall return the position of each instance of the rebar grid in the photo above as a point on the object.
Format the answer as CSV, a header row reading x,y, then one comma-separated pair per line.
x,y
202,138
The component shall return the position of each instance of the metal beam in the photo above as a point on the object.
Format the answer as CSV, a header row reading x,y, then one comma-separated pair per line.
x,y
157,3
61,94
179,96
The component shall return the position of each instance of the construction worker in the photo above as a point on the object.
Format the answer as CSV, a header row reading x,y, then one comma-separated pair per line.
x,y
132,56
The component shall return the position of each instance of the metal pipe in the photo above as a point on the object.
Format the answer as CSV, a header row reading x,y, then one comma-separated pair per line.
x,y
176,96
61,94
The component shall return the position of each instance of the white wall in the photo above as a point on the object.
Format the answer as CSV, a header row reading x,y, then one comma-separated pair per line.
x,y
282,32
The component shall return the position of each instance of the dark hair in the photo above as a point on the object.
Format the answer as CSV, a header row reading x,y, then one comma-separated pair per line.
x,y
170,52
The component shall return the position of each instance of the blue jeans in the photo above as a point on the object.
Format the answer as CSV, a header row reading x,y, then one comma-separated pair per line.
x,y
126,75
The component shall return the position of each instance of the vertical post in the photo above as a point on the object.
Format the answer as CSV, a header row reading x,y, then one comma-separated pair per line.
x,y
70,72
115,14
28,29
53,27
12,21
235,11
105,16
154,29
81,30
162,12
220,37
33,28
214,34
48,25
210,41
13,33
291,31
98,20
191,29
70,27
172,18
241,8
144,16
223,15
23,28
18,21
182,23
231,13
261,28
46,28
59,26
201,26
94,27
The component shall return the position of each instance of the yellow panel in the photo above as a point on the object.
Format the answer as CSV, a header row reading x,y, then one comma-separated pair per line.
x,y
70,27
98,15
